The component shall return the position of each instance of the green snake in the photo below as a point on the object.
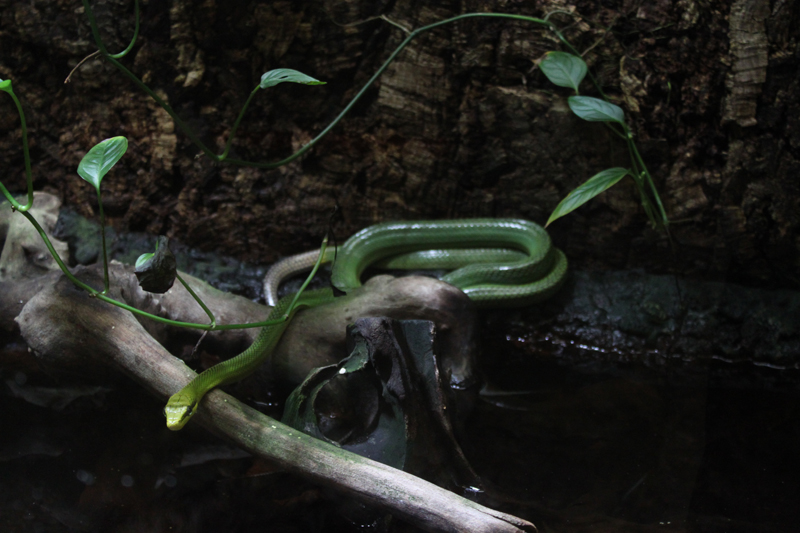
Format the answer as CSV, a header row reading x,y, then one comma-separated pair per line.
x,y
496,262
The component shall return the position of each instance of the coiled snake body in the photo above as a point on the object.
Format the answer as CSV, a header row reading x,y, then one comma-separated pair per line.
x,y
496,262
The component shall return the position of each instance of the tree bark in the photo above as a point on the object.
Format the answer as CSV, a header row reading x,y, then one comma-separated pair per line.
x,y
461,124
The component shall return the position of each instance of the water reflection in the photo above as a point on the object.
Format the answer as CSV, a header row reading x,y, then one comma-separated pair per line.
x,y
674,419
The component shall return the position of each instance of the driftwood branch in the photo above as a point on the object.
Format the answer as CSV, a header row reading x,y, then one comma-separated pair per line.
x,y
64,325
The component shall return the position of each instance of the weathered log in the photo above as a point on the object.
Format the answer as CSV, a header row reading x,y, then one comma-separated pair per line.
x,y
25,255
63,323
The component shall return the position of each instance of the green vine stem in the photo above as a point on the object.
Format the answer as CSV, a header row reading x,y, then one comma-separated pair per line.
x,y
5,86
224,154
640,169
103,238
198,300
218,158
649,178
308,278
571,48
192,325
96,31
643,181
135,34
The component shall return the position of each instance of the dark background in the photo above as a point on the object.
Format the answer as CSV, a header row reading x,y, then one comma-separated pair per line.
x,y
462,124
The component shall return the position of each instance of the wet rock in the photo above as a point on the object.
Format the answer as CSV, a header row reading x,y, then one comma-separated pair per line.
x,y
660,321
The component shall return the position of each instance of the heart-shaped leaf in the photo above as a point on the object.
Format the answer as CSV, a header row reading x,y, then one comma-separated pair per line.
x,y
5,85
595,109
563,69
101,158
274,77
593,186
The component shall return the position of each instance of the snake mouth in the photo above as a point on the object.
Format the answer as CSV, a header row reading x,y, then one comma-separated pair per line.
x,y
178,415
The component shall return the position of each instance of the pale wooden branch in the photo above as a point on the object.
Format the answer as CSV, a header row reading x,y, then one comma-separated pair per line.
x,y
61,323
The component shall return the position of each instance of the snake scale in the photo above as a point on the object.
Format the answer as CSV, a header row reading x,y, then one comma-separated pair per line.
x,y
496,262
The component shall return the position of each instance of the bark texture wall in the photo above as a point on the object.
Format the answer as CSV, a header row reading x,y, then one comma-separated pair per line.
x,y
462,124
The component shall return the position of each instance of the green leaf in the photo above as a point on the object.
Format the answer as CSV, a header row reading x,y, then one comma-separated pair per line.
x,y
274,77
563,69
142,259
147,256
5,85
101,158
593,186
595,109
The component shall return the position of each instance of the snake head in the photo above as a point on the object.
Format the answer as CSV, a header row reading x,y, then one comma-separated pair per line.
x,y
179,409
